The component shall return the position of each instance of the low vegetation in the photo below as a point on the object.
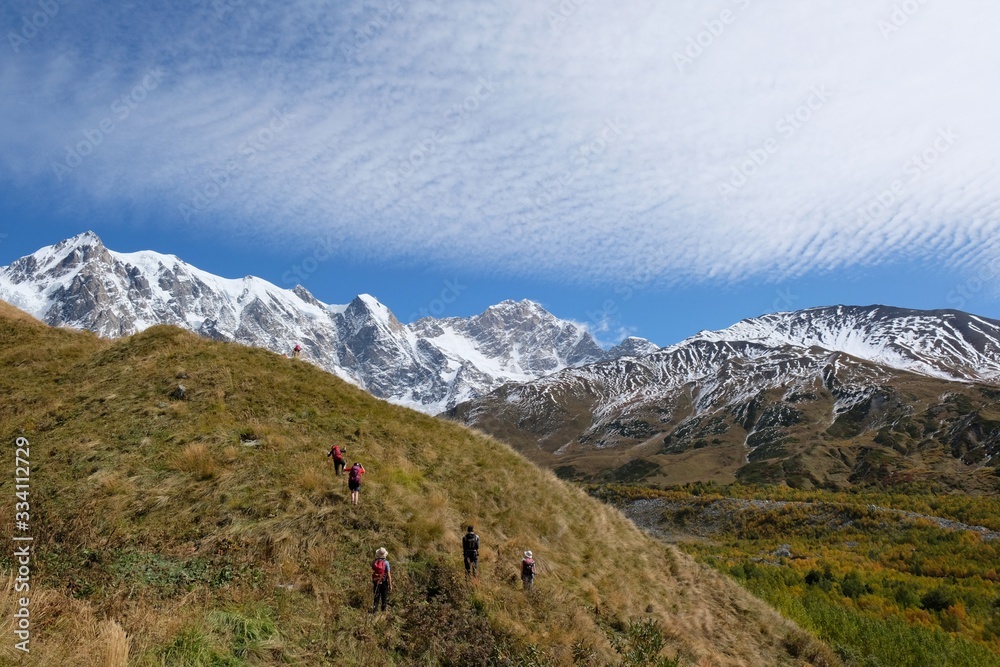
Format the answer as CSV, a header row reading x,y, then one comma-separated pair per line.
x,y
184,513
885,577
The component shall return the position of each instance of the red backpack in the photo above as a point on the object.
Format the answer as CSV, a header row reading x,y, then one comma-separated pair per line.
x,y
380,568
527,567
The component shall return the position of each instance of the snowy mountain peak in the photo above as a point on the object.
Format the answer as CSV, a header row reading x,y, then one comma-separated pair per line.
x,y
374,306
519,311
949,344
524,305
429,365
365,308
61,256
85,239
632,347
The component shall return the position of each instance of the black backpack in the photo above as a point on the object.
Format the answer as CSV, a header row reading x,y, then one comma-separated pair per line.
x,y
470,542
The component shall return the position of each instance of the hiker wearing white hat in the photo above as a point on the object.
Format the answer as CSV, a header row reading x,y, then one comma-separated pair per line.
x,y
528,571
381,579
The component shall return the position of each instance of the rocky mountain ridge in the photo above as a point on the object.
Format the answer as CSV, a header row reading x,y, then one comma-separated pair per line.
x,y
821,396
430,365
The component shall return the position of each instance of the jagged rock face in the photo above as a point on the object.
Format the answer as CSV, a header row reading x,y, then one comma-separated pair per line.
x,y
831,395
632,347
430,365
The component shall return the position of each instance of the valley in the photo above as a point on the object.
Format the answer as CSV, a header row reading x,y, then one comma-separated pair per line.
x,y
868,570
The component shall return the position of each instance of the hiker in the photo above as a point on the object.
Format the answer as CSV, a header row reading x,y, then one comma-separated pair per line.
x,y
381,579
470,552
338,459
296,351
528,571
354,481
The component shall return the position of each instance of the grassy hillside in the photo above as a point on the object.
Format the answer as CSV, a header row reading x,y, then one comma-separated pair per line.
x,y
204,526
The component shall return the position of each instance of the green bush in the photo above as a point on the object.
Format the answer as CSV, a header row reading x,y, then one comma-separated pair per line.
x,y
852,586
938,599
641,645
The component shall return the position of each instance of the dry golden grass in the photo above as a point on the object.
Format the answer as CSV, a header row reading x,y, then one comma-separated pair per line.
x,y
83,641
116,644
197,459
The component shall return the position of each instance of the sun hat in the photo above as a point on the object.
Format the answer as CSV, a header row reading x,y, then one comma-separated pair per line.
x,y
527,554
381,553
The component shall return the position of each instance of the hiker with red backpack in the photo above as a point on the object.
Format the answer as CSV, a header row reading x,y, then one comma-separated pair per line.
x,y
381,579
354,481
296,351
338,459
528,571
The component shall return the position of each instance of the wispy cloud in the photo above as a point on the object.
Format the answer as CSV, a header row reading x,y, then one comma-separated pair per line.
x,y
476,134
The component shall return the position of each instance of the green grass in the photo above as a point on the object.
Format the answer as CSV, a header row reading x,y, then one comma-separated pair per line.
x,y
212,531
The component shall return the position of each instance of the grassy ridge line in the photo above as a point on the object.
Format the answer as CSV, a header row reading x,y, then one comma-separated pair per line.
x,y
209,530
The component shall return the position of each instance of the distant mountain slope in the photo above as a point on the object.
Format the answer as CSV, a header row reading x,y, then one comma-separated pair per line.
x,y
823,396
948,344
429,365
205,526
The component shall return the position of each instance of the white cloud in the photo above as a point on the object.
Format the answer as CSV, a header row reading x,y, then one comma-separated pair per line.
x,y
512,137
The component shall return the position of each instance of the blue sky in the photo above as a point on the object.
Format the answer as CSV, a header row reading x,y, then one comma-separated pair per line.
x,y
654,169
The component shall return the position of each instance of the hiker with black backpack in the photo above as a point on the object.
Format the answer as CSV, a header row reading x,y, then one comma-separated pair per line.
x,y
354,481
528,571
338,459
381,579
470,553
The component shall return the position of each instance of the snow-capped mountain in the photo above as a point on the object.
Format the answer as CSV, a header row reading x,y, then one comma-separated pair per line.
x,y
430,365
948,344
766,388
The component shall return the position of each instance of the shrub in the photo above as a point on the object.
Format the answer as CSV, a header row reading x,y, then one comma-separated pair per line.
x,y
641,645
938,599
852,586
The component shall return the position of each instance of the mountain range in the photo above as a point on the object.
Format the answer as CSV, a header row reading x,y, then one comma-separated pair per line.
x,y
824,396
431,364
